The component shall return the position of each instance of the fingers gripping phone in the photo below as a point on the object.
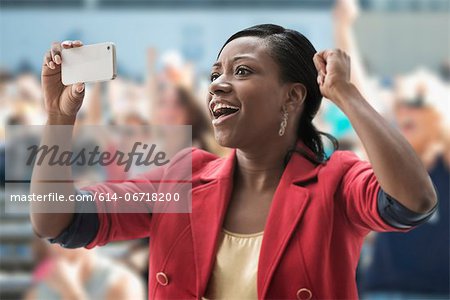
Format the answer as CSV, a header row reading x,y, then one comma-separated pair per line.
x,y
89,63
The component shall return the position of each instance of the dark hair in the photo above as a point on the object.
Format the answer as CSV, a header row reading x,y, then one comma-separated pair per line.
x,y
294,54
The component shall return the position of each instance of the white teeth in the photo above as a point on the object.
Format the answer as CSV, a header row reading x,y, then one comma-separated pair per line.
x,y
220,105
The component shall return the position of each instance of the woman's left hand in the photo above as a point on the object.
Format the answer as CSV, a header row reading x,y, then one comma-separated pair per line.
x,y
333,67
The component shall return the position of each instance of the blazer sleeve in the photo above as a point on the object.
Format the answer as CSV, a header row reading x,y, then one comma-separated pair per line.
x,y
83,228
114,222
126,220
360,193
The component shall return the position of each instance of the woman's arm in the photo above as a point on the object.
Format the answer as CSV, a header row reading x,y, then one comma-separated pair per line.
x,y
399,171
61,104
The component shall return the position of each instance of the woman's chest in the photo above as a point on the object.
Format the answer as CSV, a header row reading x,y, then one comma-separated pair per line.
x,y
247,211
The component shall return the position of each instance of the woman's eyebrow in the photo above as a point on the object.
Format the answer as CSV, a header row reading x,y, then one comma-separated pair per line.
x,y
236,58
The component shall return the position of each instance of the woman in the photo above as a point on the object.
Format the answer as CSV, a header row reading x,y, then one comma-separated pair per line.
x,y
275,219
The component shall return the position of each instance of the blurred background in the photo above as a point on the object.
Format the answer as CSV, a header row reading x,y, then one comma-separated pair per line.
x,y
400,52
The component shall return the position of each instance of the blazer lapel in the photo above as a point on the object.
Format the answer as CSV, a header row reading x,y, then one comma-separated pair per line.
x,y
209,204
288,206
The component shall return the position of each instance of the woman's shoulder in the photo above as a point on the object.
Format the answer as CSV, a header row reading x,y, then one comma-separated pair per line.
x,y
198,157
191,164
343,160
202,159
343,157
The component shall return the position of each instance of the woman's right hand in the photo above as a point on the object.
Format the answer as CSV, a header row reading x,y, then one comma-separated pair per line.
x,y
61,102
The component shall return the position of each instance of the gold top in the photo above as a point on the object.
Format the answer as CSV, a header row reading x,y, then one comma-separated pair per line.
x,y
235,270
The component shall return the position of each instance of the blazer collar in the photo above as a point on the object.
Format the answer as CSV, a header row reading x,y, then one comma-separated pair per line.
x,y
224,168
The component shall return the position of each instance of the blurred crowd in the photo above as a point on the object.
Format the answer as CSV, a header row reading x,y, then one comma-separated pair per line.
x,y
414,264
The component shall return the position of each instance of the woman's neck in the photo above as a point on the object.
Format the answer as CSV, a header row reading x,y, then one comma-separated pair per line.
x,y
261,168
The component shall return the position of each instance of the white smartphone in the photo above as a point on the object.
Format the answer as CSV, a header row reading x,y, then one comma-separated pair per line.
x,y
89,63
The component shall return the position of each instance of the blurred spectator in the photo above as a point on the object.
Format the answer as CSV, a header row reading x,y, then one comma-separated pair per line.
x,y
177,106
80,274
445,71
413,265
174,102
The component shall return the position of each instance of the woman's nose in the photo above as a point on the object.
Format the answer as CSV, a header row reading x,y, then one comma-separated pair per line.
x,y
220,85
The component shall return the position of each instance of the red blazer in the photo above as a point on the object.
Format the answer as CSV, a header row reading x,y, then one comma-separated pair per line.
x,y
312,240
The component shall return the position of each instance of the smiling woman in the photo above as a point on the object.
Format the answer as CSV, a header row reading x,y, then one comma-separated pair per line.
x,y
271,70
276,219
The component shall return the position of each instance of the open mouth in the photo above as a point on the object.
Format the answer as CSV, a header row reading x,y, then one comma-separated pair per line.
x,y
223,110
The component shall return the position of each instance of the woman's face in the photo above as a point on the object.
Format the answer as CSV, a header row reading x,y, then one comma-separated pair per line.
x,y
246,83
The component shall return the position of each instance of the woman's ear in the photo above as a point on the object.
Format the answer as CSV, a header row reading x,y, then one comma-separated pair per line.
x,y
296,96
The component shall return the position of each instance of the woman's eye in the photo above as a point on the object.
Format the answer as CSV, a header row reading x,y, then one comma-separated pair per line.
x,y
242,71
214,76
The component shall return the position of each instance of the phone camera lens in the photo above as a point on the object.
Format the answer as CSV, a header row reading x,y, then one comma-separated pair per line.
x,y
108,47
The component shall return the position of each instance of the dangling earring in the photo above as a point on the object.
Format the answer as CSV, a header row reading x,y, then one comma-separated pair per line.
x,y
283,122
